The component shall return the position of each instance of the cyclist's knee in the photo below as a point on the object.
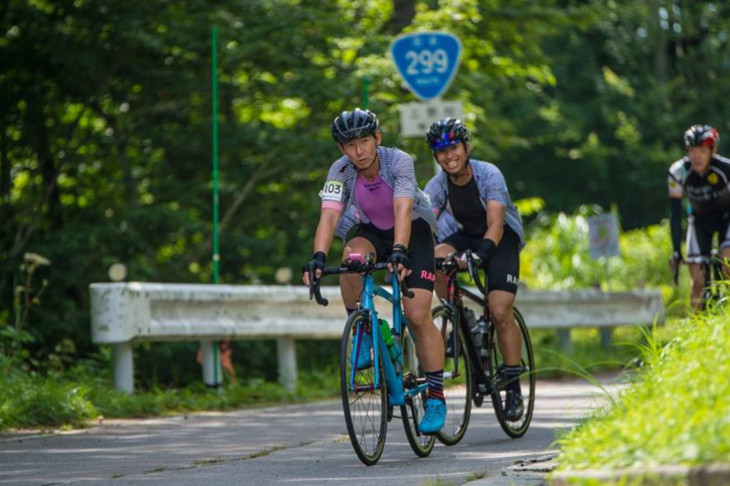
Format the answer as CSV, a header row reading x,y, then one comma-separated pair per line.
x,y
698,284
418,309
442,250
418,315
357,245
501,314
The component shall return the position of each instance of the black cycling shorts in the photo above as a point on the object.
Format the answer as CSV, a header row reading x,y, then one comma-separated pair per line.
x,y
702,228
503,267
420,250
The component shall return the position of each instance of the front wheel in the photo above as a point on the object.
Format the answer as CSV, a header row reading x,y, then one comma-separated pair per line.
x,y
457,376
364,402
500,384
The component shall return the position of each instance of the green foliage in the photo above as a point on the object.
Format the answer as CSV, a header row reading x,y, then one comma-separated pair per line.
x,y
557,256
72,398
674,412
36,401
587,355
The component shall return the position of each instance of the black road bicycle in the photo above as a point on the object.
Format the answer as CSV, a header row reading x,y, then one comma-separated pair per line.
x,y
474,363
711,268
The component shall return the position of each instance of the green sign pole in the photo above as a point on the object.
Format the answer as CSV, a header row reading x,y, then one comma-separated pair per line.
x,y
216,255
366,92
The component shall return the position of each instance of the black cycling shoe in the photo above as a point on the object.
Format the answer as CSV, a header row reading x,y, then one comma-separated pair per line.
x,y
514,407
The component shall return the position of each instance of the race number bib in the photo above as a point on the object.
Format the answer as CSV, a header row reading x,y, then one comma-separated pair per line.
x,y
332,191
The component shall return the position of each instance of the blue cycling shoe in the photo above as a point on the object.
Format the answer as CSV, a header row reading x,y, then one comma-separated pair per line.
x,y
364,360
434,418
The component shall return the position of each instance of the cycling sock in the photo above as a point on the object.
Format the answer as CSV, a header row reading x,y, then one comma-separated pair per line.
x,y
512,374
436,384
349,311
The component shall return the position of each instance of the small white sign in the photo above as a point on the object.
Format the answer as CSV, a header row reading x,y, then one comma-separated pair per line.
x,y
416,118
603,235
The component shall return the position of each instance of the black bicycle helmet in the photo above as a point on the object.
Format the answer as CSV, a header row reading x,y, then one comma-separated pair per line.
x,y
701,136
447,132
354,124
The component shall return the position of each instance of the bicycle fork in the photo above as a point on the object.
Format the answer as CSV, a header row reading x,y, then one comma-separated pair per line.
x,y
393,377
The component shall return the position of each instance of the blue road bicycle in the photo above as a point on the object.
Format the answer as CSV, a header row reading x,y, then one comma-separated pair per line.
x,y
378,374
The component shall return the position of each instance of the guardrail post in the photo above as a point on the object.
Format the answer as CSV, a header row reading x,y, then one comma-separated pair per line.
x,y
286,352
123,367
209,364
566,346
606,333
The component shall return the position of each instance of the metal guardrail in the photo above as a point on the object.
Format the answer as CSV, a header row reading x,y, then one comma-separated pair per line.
x,y
123,313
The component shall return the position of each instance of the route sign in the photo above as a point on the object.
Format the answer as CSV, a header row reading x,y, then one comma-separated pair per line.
x,y
603,235
427,61
416,118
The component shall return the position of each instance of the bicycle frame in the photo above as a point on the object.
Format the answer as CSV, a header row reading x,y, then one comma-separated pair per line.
x,y
712,272
396,394
456,305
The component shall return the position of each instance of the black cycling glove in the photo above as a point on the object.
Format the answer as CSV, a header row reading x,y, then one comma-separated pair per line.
x,y
399,256
316,263
485,251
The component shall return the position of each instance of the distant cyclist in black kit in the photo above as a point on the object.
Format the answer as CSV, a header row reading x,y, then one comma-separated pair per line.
x,y
703,177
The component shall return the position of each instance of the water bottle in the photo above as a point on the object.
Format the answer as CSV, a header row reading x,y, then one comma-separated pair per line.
x,y
471,319
388,338
478,333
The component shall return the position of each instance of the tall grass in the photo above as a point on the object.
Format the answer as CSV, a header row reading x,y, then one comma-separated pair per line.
x,y
676,411
73,398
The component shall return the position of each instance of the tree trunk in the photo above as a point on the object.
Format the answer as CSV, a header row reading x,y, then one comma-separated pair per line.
x,y
46,164
403,13
4,170
661,54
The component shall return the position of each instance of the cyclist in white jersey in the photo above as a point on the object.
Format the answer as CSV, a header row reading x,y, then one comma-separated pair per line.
x,y
396,224
703,177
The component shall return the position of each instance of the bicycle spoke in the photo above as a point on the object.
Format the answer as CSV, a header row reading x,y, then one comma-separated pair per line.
x,y
364,405
513,428
457,378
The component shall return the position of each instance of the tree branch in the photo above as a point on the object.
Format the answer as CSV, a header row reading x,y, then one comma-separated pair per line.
x,y
240,198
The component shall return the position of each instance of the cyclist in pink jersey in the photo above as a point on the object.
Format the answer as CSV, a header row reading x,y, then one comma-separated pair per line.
x,y
395,224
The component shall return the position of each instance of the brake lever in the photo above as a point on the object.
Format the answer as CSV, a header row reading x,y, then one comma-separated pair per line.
x,y
314,290
470,257
318,296
405,290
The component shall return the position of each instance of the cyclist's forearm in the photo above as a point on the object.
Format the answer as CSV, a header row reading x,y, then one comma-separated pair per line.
x,y
403,207
495,221
675,223
325,230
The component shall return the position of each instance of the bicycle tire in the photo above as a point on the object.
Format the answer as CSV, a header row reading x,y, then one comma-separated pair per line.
x,y
365,408
517,428
414,408
457,376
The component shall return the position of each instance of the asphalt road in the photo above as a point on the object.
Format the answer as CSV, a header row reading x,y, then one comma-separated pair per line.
x,y
289,445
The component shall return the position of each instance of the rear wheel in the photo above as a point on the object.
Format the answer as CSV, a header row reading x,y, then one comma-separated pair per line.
x,y
500,383
457,376
365,405
412,412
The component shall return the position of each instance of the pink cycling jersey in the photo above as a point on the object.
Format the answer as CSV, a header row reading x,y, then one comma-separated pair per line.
x,y
375,199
